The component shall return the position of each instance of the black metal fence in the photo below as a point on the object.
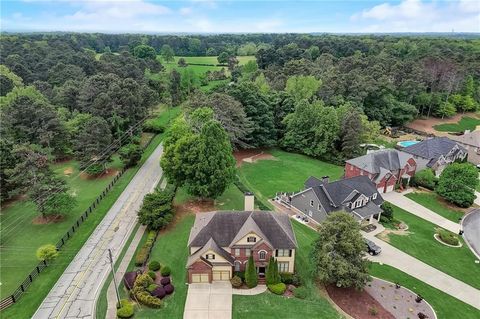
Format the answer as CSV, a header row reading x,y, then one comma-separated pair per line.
x,y
15,296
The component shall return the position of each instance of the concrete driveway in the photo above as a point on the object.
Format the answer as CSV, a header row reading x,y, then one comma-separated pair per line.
x,y
399,199
209,301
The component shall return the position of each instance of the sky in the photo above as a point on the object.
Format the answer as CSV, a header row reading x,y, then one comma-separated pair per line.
x,y
241,16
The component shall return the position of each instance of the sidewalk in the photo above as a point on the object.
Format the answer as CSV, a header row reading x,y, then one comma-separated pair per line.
x,y
250,292
120,271
399,199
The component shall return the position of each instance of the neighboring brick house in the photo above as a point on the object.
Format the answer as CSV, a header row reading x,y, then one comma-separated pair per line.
x,y
385,168
471,142
357,195
220,243
436,153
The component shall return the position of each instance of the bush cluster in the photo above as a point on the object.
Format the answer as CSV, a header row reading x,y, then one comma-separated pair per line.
x,y
277,289
165,271
169,289
126,309
142,255
148,300
425,178
447,237
152,274
165,281
300,292
240,274
154,265
151,287
236,282
129,279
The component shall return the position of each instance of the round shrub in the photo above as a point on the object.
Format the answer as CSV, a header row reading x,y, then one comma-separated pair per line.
x,y
154,265
152,274
129,279
287,279
126,309
447,237
165,271
143,281
159,292
169,289
240,274
300,292
165,281
236,282
277,289
151,288
148,300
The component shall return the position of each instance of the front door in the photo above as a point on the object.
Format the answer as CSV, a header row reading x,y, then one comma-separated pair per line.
x,y
261,271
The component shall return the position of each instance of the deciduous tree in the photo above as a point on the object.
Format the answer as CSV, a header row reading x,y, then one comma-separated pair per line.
x,y
457,184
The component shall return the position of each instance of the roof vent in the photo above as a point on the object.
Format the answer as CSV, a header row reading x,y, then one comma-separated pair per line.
x,y
325,179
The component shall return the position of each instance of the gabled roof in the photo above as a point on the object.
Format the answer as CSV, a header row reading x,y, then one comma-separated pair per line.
x,y
471,138
367,210
225,226
432,148
388,159
210,245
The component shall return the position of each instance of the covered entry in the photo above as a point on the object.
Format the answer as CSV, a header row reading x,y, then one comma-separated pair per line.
x,y
199,278
221,275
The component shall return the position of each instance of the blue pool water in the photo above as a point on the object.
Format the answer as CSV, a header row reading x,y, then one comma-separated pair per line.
x,y
407,143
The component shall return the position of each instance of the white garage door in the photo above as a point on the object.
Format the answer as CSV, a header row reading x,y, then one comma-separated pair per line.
x,y
390,188
221,275
196,278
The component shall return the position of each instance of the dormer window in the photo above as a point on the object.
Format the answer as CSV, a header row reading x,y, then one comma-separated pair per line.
x,y
210,256
311,203
374,196
251,239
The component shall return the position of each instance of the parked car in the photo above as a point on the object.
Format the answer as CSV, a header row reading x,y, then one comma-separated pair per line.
x,y
372,248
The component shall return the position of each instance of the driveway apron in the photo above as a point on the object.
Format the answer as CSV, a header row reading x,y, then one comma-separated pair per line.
x,y
209,301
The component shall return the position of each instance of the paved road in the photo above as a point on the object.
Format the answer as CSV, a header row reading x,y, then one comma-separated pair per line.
x,y
209,301
413,207
471,227
74,294
418,269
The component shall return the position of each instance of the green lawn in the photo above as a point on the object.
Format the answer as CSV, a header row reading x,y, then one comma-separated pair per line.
x,y
21,238
231,199
466,123
433,202
207,59
286,173
457,262
445,306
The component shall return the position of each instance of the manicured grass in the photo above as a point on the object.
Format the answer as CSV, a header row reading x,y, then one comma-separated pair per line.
x,y
286,173
457,262
21,238
30,301
268,305
433,202
231,199
445,306
465,123
170,249
207,59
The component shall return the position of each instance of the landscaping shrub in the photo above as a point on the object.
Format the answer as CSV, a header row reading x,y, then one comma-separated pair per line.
x,y
277,289
425,178
142,256
159,292
157,211
148,300
447,237
152,287
251,278
240,274
152,274
296,279
272,276
154,265
169,289
165,271
387,211
287,279
236,282
130,154
47,252
165,281
143,281
129,279
300,292
126,309
151,126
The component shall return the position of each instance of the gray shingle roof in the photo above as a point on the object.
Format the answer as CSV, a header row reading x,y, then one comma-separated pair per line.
x,y
224,226
432,148
472,138
213,246
367,210
388,159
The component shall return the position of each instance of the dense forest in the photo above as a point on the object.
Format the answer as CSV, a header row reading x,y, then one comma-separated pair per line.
x,y
85,96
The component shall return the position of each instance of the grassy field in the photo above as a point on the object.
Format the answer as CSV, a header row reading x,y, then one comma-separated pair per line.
x,y
231,199
286,173
433,202
21,237
466,123
445,306
419,243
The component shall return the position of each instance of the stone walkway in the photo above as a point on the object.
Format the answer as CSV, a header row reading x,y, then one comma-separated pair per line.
x,y
120,271
418,269
209,301
413,207
250,292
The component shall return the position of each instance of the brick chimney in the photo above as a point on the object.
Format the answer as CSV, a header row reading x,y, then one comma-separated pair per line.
x,y
249,201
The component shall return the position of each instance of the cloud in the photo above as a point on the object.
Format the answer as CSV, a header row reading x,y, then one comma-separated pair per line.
x,y
185,11
420,16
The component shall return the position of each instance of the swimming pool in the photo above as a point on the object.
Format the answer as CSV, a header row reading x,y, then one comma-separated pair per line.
x,y
407,143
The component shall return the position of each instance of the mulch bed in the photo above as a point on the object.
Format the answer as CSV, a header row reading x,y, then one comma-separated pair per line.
x,y
195,206
357,304
49,219
257,154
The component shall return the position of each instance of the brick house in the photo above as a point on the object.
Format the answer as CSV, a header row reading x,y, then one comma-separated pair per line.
x,y
385,168
220,243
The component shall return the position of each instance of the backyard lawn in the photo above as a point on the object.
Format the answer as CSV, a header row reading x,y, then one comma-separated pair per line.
x,y
286,173
465,123
419,243
445,306
433,202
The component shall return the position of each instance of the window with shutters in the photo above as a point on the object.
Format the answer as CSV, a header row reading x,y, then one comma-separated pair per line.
x,y
251,239
210,256
283,253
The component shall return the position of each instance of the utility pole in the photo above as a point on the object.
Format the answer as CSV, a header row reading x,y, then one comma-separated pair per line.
x,y
114,280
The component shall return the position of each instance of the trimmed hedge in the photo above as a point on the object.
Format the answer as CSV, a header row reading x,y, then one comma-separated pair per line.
x,y
142,256
277,289
126,309
148,300
159,292
165,281
154,265
169,289
236,282
447,237
165,271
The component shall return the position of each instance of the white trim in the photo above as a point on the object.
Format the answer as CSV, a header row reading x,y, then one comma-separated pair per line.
x,y
260,251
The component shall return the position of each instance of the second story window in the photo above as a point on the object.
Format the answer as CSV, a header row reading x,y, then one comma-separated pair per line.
x,y
262,255
251,239
237,251
283,253
247,252
210,256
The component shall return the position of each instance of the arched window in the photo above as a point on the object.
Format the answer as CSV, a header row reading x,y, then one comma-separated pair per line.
x,y
237,266
262,255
